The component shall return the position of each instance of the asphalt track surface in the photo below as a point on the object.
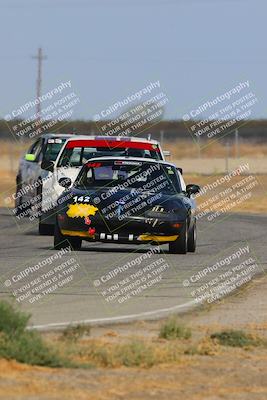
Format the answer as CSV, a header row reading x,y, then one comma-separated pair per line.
x,y
85,297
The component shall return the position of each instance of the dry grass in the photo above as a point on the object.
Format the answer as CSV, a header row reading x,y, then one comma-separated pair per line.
x,y
188,149
146,352
16,148
234,374
255,204
179,149
134,351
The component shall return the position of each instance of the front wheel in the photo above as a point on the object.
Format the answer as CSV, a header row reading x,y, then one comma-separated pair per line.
x,y
45,230
63,242
179,246
20,208
192,239
18,200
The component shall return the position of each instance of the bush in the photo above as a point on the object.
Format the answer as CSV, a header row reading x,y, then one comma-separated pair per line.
x,y
172,329
74,333
29,348
136,354
12,322
23,345
236,339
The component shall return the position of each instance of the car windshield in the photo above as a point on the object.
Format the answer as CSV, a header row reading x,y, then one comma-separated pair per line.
x,y
53,148
124,174
77,156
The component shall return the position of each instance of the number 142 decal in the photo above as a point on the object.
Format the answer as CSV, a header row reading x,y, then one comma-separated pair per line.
x,y
81,199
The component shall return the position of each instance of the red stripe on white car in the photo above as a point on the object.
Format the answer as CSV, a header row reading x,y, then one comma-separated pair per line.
x,y
111,144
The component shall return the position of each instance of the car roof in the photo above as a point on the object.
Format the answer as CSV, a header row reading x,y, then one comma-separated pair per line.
x,y
150,160
58,135
75,136
113,138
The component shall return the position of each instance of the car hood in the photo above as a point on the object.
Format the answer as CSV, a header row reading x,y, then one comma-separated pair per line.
x,y
153,204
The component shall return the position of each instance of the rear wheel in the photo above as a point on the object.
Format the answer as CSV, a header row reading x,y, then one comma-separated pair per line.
x,y
179,246
63,242
44,229
192,239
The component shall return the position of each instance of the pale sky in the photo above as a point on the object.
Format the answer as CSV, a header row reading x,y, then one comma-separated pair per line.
x,y
110,49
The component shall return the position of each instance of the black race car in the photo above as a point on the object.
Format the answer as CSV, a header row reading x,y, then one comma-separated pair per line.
x,y
127,200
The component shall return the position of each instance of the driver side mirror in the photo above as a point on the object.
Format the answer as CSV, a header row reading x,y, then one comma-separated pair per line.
x,y
47,165
192,189
65,182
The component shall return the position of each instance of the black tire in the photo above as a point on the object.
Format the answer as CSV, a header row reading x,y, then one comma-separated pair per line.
x,y
45,229
19,200
179,246
62,242
42,228
192,239
75,243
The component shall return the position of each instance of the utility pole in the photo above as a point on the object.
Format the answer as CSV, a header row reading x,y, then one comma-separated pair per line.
x,y
198,146
40,57
236,144
161,137
227,154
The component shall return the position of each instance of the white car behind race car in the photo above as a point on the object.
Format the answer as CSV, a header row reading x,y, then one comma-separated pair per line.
x,y
45,149
75,152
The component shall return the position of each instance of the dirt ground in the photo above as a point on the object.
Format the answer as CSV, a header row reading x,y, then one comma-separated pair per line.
x,y
219,373
236,376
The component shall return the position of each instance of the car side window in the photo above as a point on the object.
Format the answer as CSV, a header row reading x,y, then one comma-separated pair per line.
x,y
75,158
183,185
35,149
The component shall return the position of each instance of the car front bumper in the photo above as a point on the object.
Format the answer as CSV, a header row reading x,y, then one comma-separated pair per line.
x,y
135,229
